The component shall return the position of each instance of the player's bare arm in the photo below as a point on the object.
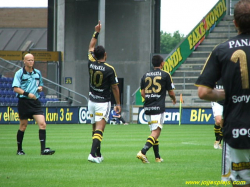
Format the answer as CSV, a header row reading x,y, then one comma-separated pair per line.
x,y
95,35
210,94
116,93
172,96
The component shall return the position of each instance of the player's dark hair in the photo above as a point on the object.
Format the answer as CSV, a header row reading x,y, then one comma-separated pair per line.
x,y
242,16
157,60
99,52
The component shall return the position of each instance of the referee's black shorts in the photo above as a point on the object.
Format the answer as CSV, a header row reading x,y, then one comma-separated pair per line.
x,y
29,107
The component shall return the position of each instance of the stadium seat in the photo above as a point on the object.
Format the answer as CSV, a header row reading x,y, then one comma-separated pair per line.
x,y
10,93
2,86
8,85
5,93
3,80
47,99
7,101
43,101
1,101
12,101
15,101
42,94
53,99
9,80
13,94
1,93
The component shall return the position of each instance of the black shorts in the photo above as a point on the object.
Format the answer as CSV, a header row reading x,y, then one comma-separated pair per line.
x,y
29,107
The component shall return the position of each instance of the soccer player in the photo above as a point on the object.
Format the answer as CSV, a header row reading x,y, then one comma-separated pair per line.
x,y
217,108
102,79
154,85
27,83
230,61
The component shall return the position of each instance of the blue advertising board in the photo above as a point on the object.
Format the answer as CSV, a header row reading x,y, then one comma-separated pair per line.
x,y
72,115
171,116
197,116
61,115
84,115
189,116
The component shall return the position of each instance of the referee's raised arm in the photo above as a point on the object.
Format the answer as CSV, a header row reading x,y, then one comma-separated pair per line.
x,y
94,37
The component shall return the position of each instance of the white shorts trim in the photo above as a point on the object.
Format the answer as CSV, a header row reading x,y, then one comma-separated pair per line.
x,y
99,111
155,121
217,109
235,165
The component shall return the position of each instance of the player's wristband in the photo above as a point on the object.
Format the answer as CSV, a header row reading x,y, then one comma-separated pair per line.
x,y
26,93
118,105
95,35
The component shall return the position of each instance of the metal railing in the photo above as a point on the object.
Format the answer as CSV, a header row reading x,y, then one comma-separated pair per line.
x,y
230,6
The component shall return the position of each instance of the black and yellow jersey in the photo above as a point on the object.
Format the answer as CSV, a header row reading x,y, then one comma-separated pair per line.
x,y
230,62
101,77
156,83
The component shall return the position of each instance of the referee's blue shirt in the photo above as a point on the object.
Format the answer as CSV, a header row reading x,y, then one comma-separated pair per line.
x,y
28,82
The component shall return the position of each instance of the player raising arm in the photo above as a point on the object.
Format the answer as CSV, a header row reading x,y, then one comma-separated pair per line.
x,y
102,78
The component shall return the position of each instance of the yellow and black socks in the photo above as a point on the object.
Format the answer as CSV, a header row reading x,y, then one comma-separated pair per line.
x,y
97,138
150,142
221,135
19,138
98,150
42,138
217,131
156,149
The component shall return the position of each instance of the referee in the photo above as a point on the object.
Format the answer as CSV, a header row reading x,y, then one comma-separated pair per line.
x,y
27,83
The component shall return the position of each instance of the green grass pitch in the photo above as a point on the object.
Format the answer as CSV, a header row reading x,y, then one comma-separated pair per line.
x,y
187,151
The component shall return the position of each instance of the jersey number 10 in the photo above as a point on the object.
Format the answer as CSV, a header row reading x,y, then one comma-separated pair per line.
x,y
96,78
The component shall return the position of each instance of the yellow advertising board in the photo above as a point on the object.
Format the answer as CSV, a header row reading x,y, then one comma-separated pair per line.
x,y
39,55
11,55
45,55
